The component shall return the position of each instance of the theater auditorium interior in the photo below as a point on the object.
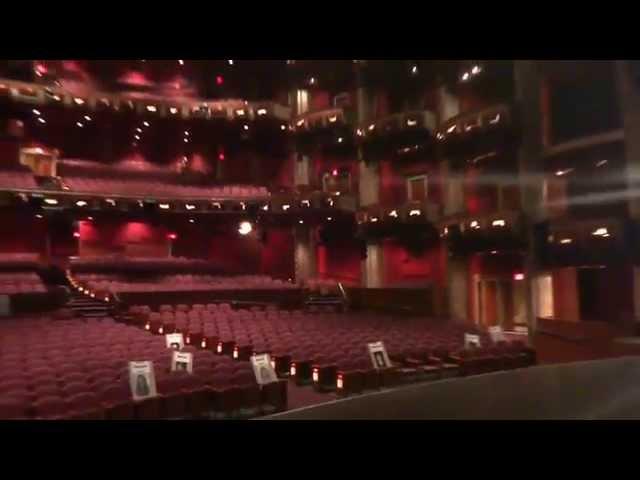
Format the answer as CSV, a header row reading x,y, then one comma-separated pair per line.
x,y
319,239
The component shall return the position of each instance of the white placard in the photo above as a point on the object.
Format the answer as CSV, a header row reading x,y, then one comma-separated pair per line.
x,y
521,330
182,362
470,339
379,357
142,380
5,306
496,334
263,369
175,341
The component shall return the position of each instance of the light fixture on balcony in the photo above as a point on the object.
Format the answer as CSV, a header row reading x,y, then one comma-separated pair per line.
x,y
240,112
474,224
36,112
414,70
300,222
80,124
181,62
305,203
452,128
164,206
566,241
359,132
312,81
300,122
329,219
261,111
498,223
191,220
246,127
333,119
560,173
600,232
245,228
601,163
415,212
189,206
340,139
41,120
494,252
439,136
51,201
173,110
372,126
286,207
465,76
518,276
283,127
216,205
111,202
373,219
230,62
87,118
243,206
330,202
81,203
146,124
411,123
445,231
393,213
265,208
495,119
78,101
476,70
151,108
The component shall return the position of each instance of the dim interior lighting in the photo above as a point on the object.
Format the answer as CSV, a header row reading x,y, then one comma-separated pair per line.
x,y
474,224
330,201
217,205
41,120
151,108
333,118
76,234
340,139
439,136
92,295
90,219
230,62
139,130
494,252
300,222
186,140
359,132
111,202
50,201
245,228
374,219
106,299
393,213
161,330
451,129
38,215
173,110
243,205
329,219
566,241
262,111
219,80
189,206
265,208
81,203
292,370
518,276
283,127
476,70
315,375
181,62
498,223
601,232
36,112
306,203
495,119
164,206
411,123
78,101
56,98
191,220
87,118
186,132
414,69
372,126
246,127
312,81
465,76
80,124
300,123
203,344
415,212
601,163
240,112
172,236
137,137
146,124
334,172
221,156
340,382
286,207
445,231
560,173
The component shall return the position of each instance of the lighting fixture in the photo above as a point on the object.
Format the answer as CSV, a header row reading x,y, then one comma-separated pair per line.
x,y
87,118
186,140
56,98
50,201
146,124
560,173
230,62
78,101
439,136
373,219
300,123
81,203
191,220
451,129
329,219
566,241
415,212
498,223
245,228
36,112
41,120
151,108
372,126
601,163
246,127
312,81
38,215
465,76
80,124
393,213
300,222
172,236
139,130
219,80
111,202
189,206
173,110
240,112
217,205
164,206
414,70
181,62
474,224
333,119
494,252
265,208
243,205
495,119
262,111
186,132
283,127
411,123
76,234
306,203
476,70
359,132
518,276
601,232
340,139
137,137
286,207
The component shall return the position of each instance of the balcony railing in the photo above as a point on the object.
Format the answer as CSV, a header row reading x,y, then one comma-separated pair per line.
x,y
319,119
467,125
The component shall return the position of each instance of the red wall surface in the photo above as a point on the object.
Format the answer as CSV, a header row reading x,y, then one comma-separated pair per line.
x,y
404,268
340,262
22,233
133,238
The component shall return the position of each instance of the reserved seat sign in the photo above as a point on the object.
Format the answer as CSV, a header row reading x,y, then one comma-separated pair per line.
x,y
182,362
263,369
175,340
470,340
142,380
496,333
379,357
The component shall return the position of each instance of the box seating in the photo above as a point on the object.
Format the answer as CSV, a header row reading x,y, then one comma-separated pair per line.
x,y
19,179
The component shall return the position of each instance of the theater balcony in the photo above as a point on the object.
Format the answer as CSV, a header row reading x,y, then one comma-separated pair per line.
x,y
476,133
330,130
497,232
409,218
398,135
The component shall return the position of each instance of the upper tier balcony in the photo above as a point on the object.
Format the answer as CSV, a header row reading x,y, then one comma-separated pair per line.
x,y
477,132
329,129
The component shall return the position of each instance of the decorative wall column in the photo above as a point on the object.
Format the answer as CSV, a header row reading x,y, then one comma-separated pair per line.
x,y
305,254
457,286
529,98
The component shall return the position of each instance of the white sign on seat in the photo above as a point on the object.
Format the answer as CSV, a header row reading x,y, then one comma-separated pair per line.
x,y
142,380
175,341
379,357
182,362
470,340
263,369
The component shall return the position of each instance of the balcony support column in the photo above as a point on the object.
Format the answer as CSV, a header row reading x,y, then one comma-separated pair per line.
x,y
373,266
305,254
529,91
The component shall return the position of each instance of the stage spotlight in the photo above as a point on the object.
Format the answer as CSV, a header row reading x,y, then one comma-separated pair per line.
x,y
245,228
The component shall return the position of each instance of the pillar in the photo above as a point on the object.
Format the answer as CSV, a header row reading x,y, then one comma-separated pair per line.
x,y
529,99
458,286
373,266
305,254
